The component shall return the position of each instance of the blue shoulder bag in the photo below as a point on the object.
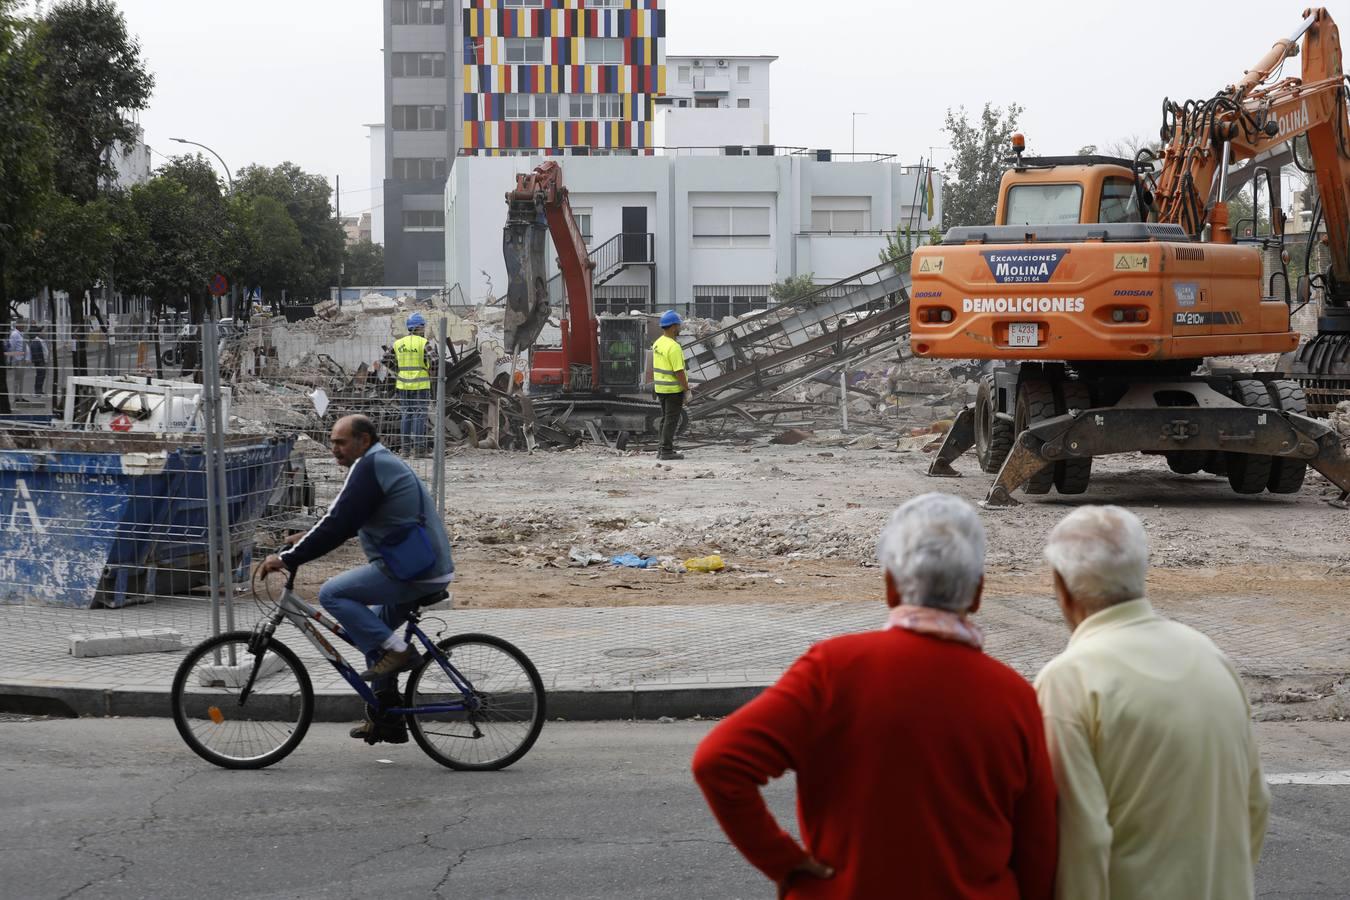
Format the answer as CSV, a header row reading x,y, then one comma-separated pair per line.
x,y
408,552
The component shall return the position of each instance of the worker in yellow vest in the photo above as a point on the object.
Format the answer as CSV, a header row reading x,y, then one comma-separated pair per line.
x,y
671,382
414,385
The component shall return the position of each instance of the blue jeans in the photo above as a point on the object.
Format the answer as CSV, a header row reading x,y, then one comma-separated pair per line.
x,y
350,598
413,428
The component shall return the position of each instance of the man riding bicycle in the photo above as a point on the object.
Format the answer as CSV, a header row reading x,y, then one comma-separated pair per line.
x,y
385,503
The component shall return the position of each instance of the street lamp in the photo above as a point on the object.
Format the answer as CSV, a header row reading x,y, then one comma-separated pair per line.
x,y
855,133
213,153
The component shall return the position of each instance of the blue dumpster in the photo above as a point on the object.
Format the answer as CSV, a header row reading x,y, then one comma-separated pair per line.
x,y
92,520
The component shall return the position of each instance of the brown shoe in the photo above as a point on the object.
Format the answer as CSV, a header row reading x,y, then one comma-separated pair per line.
x,y
392,662
381,729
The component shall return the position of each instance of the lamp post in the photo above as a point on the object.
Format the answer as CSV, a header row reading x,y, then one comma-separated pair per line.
x,y
229,176
234,287
855,115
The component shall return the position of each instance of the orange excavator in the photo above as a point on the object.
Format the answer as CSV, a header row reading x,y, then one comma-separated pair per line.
x,y
1105,283
595,376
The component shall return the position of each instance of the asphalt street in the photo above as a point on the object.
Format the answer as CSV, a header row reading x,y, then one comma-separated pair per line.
x,y
120,808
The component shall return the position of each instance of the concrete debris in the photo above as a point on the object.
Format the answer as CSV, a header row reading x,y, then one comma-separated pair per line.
x,y
792,436
866,442
1340,421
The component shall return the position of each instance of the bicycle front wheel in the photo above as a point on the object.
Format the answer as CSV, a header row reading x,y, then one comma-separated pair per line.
x,y
505,704
224,726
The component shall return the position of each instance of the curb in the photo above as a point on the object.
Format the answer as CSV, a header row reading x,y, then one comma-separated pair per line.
x,y
647,702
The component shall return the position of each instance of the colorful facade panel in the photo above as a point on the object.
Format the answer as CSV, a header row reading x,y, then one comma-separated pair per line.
x,y
556,33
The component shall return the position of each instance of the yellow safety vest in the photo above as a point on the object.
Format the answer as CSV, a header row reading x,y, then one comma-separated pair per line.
x,y
410,353
667,359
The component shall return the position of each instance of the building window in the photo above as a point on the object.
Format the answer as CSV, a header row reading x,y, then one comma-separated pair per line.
x,y
604,50
547,106
518,106
841,213
583,219
721,300
419,65
419,118
524,50
743,74
423,220
581,106
742,102
683,74
606,4
431,273
742,227
418,12
419,169
682,104
523,4
706,103
608,106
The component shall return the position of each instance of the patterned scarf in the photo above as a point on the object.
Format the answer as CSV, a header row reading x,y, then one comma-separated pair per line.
x,y
938,623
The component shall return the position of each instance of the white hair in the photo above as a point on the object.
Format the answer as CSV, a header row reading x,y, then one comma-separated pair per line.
x,y
1101,552
933,548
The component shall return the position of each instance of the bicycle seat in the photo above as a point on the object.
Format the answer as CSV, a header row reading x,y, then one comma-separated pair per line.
x,y
432,599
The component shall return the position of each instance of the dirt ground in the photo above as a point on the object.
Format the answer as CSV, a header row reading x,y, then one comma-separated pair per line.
x,y
799,524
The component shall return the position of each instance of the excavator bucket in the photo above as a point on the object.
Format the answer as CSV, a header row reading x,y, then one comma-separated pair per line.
x,y
524,243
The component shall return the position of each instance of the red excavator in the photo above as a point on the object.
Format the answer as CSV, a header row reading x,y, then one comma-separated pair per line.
x,y
1105,283
595,377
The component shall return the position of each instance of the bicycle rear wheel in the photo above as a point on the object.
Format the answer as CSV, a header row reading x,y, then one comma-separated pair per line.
x,y
224,727
506,704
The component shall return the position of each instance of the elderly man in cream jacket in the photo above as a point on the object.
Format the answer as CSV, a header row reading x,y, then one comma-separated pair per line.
x,y
1160,788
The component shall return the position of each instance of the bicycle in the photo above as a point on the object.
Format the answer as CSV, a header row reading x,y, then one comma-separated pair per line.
x,y
244,700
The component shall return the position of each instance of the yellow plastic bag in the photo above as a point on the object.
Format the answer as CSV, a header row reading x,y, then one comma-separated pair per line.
x,y
705,564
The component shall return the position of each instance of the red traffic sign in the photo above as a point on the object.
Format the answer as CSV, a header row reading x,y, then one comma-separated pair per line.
x,y
219,286
121,423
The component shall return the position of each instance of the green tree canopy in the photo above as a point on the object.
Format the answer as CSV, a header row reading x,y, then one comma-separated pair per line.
x,y
94,78
307,199
365,264
972,175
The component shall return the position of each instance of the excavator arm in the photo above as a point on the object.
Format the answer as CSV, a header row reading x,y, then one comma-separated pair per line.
x,y
539,208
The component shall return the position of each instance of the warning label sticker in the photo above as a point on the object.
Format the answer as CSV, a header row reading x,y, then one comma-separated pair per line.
x,y
1131,262
930,265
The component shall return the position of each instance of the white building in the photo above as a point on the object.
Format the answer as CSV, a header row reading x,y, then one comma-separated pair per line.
x,y
131,163
713,101
713,233
377,149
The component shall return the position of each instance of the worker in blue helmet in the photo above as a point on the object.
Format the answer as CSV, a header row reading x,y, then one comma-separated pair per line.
x,y
412,359
671,382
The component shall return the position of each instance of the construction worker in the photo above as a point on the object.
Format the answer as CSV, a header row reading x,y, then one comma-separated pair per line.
x,y
671,382
414,384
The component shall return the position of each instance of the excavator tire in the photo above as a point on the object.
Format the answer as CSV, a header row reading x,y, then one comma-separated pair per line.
x,y
1286,475
1187,462
1035,404
993,435
1072,475
1249,473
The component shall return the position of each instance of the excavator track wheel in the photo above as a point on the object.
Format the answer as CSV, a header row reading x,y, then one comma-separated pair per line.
x,y
993,434
1072,475
1286,475
1249,473
1035,404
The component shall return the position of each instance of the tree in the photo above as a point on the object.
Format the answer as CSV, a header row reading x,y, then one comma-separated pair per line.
x,y
971,177
307,199
272,255
25,157
93,79
365,263
900,246
793,287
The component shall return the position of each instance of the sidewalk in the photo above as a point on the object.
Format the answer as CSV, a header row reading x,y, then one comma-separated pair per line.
x,y
625,662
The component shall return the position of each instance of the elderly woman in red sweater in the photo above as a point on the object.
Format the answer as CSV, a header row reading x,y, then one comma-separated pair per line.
x,y
921,763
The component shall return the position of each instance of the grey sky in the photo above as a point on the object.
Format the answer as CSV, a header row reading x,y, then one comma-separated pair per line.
x,y
297,79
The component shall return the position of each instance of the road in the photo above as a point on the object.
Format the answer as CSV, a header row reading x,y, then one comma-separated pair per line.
x,y
119,808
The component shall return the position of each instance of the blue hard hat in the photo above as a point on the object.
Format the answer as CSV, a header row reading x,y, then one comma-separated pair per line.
x,y
670,318
416,321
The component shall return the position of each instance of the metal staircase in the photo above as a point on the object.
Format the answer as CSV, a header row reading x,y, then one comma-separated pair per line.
x,y
614,256
849,320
